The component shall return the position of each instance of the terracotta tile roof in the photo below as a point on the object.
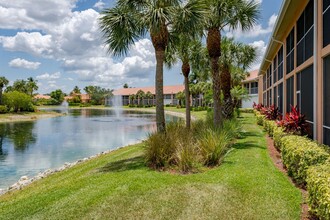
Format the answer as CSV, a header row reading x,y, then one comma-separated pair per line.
x,y
85,97
253,76
42,96
132,91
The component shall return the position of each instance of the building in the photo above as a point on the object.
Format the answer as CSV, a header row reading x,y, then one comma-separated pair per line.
x,y
295,69
169,95
84,98
40,96
251,84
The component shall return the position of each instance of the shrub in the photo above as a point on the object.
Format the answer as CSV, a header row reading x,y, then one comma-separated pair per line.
x,y
271,112
74,104
246,110
294,122
257,107
3,109
298,154
260,118
278,133
213,146
318,186
270,126
18,101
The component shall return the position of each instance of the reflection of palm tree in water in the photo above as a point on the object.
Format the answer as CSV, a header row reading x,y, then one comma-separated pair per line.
x,y
21,135
3,153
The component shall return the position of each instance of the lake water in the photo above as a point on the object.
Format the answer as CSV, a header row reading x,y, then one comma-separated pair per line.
x,y
26,148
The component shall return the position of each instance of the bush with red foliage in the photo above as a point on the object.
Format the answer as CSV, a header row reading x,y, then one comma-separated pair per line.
x,y
294,122
271,113
257,107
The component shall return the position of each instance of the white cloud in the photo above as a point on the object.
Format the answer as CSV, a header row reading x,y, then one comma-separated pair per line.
x,y
99,5
261,49
22,63
47,76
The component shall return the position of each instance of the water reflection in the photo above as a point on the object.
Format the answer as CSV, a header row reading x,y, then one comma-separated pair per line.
x,y
30,147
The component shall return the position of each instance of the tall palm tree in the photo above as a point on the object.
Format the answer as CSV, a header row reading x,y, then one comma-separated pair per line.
x,y
3,82
31,85
130,20
225,13
187,49
236,57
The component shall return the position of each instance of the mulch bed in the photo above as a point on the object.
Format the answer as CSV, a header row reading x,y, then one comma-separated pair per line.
x,y
276,158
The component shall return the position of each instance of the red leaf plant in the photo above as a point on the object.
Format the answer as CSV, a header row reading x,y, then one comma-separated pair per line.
x,y
257,107
294,122
271,113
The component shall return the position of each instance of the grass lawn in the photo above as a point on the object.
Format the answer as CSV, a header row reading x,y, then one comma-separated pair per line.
x,y
119,186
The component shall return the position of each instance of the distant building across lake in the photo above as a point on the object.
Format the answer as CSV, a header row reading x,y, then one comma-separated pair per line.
x,y
169,95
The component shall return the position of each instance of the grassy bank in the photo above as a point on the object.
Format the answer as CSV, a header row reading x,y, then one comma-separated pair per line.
x,y
27,116
119,186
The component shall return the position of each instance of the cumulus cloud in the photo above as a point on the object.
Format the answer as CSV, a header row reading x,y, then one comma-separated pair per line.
x,y
47,76
260,47
22,63
256,31
99,5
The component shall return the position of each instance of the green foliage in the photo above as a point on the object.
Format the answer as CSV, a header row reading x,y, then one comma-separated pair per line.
x,y
246,110
3,109
278,133
318,186
57,96
260,118
298,154
24,86
18,101
98,94
269,126
187,150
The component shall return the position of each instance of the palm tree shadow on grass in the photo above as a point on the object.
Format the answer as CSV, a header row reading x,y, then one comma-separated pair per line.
x,y
133,163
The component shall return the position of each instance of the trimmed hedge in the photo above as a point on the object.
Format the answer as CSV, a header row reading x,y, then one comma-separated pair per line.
x,y
318,186
269,126
260,118
278,134
298,154
246,110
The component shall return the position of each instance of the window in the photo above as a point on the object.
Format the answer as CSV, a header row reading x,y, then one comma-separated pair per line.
x,y
289,94
270,97
326,100
305,27
264,82
254,88
280,97
275,69
247,87
305,94
168,96
290,52
280,64
264,99
326,19
275,96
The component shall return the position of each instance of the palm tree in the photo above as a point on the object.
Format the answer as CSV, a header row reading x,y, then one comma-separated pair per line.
x,y
3,82
31,85
187,49
236,57
149,96
140,96
221,14
76,90
129,20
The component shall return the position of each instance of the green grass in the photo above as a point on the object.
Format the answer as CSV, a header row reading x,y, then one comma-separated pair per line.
x,y
119,186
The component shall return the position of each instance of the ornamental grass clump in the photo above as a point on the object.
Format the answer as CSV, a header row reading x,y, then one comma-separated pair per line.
x,y
186,150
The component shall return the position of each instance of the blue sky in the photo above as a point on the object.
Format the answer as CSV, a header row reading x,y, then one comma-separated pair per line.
x,y
58,43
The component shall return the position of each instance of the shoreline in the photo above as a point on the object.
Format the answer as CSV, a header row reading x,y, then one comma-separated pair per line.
x,y
25,180
30,116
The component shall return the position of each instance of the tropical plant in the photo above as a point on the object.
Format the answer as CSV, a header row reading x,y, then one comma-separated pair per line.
x,y
140,94
180,96
221,14
3,82
257,107
129,20
149,96
271,113
98,94
236,58
57,96
294,122
75,90
31,86
238,93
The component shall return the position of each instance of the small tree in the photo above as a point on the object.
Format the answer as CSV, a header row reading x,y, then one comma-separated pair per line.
x,y
3,82
180,96
58,96
18,101
149,96
140,95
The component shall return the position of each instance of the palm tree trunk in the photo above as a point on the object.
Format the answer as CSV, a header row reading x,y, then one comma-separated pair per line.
x,y
187,94
213,42
1,96
225,88
160,115
216,91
